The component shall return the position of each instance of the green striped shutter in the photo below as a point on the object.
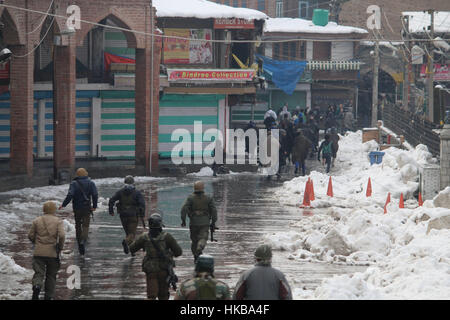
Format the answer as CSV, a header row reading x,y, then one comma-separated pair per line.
x,y
179,111
118,125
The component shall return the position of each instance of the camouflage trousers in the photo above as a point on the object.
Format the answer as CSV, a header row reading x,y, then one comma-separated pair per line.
x,y
129,225
199,237
45,268
82,221
157,286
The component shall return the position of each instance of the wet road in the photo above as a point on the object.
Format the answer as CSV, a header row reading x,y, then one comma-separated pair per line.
x,y
246,211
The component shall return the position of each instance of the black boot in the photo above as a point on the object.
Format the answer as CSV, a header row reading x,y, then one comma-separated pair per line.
x,y
36,291
125,247
81,248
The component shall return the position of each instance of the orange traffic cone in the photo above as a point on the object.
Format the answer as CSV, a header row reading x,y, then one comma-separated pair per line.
x,y
330,188
401,204
369,189
311,191
420,199
306,198
387,201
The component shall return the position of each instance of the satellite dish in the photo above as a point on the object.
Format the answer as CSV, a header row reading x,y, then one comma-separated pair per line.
x,y
5,55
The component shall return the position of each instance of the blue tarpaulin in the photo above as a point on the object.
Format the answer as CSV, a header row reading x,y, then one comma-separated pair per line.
x,y
285,74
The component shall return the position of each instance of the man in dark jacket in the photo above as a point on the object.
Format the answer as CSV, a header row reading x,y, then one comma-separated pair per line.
x,y
202,213
131,208
300,151
160,247
82,191
326,147
262,282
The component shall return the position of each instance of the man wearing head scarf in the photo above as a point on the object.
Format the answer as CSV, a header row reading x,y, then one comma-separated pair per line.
x,y
84,196
131,208
262,282
48,236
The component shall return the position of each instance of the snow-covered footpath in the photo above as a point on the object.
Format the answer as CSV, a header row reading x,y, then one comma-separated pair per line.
x,y
22,206
407,250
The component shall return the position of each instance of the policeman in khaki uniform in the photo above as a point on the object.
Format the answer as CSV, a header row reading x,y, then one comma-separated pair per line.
x,y
203,286
202,213
160,247
48,236
131,208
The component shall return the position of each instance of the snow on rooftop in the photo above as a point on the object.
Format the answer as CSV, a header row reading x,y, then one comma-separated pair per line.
x,y
419,20
203,9
307,26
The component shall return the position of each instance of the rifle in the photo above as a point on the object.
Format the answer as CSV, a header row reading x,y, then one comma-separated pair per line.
x,y
212,228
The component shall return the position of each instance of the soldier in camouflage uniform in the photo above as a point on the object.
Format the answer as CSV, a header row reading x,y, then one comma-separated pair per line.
x,y
131,208
202,213
203,286
160,247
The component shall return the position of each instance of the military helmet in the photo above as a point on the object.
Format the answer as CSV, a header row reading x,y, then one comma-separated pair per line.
x,y
204,263
263,252
155,221
199,186
129,180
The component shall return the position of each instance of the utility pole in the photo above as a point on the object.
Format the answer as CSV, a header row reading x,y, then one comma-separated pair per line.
x,y
376,66
406,65
430,73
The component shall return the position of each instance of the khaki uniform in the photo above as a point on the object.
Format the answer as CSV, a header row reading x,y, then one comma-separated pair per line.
x,y
203,287
155,266
46,232
202,212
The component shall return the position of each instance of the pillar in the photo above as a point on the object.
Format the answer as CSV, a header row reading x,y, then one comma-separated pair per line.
x,y
445,156
64,101
22,101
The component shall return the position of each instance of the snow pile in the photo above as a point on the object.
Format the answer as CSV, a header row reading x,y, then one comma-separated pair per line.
x,y
204,172
307,26
203,9
8,266
407,249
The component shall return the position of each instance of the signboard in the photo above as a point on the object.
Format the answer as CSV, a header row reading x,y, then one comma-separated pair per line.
x,y
210,75
183,46
233,23
441,72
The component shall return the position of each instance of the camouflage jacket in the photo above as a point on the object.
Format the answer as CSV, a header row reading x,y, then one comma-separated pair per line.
x,y
192,289
153,262
200,209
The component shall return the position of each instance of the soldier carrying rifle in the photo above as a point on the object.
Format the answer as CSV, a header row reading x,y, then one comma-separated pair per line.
x,y
202,213
160,247
131,208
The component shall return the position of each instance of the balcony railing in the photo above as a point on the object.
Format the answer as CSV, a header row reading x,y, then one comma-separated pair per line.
x,y
345,65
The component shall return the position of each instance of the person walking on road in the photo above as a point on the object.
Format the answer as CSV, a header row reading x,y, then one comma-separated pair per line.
x,y
326,147
160,247
262,282
131,208
48,236
202,213
203,286
84,196
300,151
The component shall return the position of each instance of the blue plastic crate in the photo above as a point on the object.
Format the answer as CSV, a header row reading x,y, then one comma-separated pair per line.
x,y
376,157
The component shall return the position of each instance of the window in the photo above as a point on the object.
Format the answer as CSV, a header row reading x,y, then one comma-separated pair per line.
x,y
261,5
303,9
276,51
235,3
279,9
226,2
244,3
285,55
293,51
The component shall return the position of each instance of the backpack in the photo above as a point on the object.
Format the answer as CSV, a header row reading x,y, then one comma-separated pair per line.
x,y
153,262
127,204
326,148
206,289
